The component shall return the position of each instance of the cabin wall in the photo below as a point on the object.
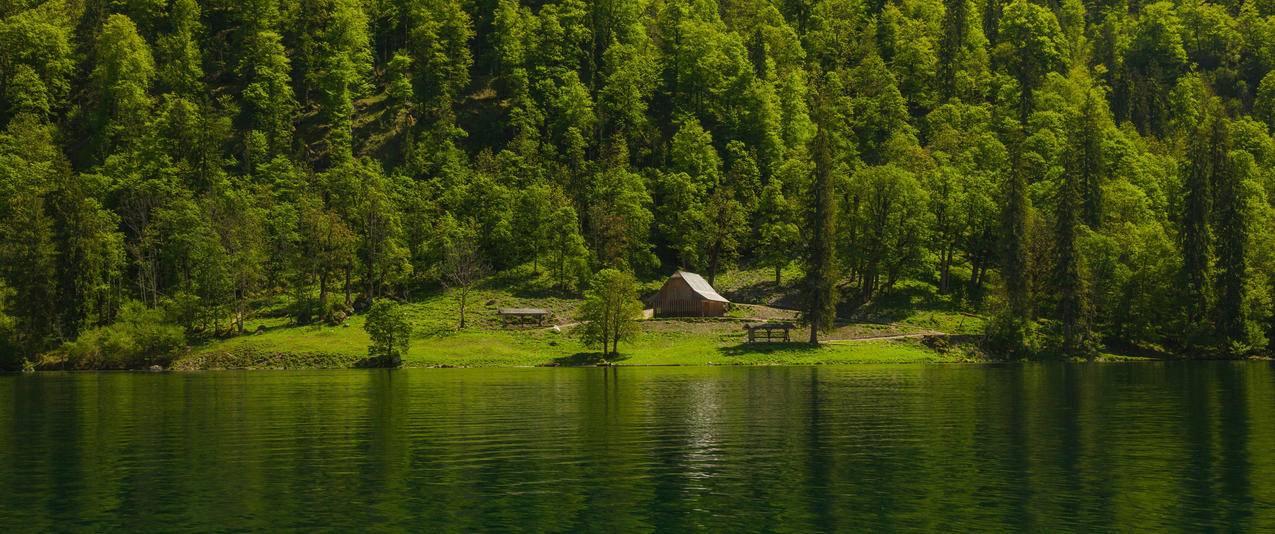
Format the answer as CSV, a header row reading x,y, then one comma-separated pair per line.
x,y
713,308
677,299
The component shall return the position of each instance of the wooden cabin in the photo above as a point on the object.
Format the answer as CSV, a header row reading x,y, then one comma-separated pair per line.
x,y
688,295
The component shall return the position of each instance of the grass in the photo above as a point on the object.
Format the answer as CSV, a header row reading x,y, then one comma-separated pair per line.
x,y
486,342
662,342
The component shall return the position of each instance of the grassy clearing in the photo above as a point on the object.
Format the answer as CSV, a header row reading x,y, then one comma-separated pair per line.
x,y
486,342
663,342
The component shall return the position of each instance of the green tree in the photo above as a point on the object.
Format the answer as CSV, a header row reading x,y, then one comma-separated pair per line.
x,y
123,76
610,311
533,218
9,350
390,331
820,260
1088,160
269,103
1233,255
620,218
29,162
567,250
328,246
1206,153
1029,48
461,269
344,62
726,223
1155,57
177,52
1068,280
886,221
439,32
36,64
777,234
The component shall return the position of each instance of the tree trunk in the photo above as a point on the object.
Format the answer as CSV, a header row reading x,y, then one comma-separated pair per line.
x,y
713,259
323,291
348,268
945,270
464,295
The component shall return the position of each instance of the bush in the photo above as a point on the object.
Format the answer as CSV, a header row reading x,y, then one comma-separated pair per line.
x,y
140,337
391,334
1009,337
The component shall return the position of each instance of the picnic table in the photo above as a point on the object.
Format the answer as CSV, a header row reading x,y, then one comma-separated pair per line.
x,y
770,332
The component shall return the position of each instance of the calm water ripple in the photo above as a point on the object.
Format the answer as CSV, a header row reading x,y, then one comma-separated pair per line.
x,y
1083,448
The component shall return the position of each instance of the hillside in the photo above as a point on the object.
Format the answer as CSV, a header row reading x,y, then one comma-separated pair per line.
x,y
1089,177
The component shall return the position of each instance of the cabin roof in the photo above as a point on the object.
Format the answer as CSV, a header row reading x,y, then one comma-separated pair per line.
x,y
700,285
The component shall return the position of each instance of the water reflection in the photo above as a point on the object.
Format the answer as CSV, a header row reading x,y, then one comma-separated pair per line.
x,y
1174,446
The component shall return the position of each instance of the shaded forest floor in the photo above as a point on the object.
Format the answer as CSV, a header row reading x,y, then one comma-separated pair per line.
x,y
487,342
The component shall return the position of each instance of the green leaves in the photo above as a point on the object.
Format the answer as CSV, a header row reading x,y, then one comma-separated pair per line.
x,y
610,311
391,333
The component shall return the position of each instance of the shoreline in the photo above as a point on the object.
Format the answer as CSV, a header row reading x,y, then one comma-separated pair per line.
x,y
252,359
1099,360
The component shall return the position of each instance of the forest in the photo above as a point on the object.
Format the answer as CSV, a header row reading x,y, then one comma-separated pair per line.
x,y
1091,174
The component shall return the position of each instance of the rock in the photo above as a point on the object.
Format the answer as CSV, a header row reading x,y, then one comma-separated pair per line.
x,y
556,329
261,329
156,368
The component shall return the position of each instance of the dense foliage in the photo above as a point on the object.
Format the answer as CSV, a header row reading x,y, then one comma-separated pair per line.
x,y
1095,173
390,331
610,311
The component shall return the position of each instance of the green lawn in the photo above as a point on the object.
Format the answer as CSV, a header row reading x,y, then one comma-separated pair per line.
x,y
660,344
663,342
486,342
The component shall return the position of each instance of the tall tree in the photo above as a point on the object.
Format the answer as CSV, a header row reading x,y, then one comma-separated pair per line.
x,y
1087,158
1028,36
123,76
610,311
1232,253
177,51
820,283
1068,280
1029,48
1206,153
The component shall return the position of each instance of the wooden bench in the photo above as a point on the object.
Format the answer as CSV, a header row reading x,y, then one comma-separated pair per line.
x,y
519,315
770,332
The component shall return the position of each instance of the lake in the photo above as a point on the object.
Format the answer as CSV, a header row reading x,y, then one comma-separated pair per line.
x,y
1179,446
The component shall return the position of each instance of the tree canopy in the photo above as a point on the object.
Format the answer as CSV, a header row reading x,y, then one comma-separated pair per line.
x,y
1093,174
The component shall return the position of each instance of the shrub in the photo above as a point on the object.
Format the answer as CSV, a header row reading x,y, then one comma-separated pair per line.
x,y
391,334
1009,337
139,337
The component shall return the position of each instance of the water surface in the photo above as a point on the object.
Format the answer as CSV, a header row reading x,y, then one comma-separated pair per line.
x,y
1092,448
